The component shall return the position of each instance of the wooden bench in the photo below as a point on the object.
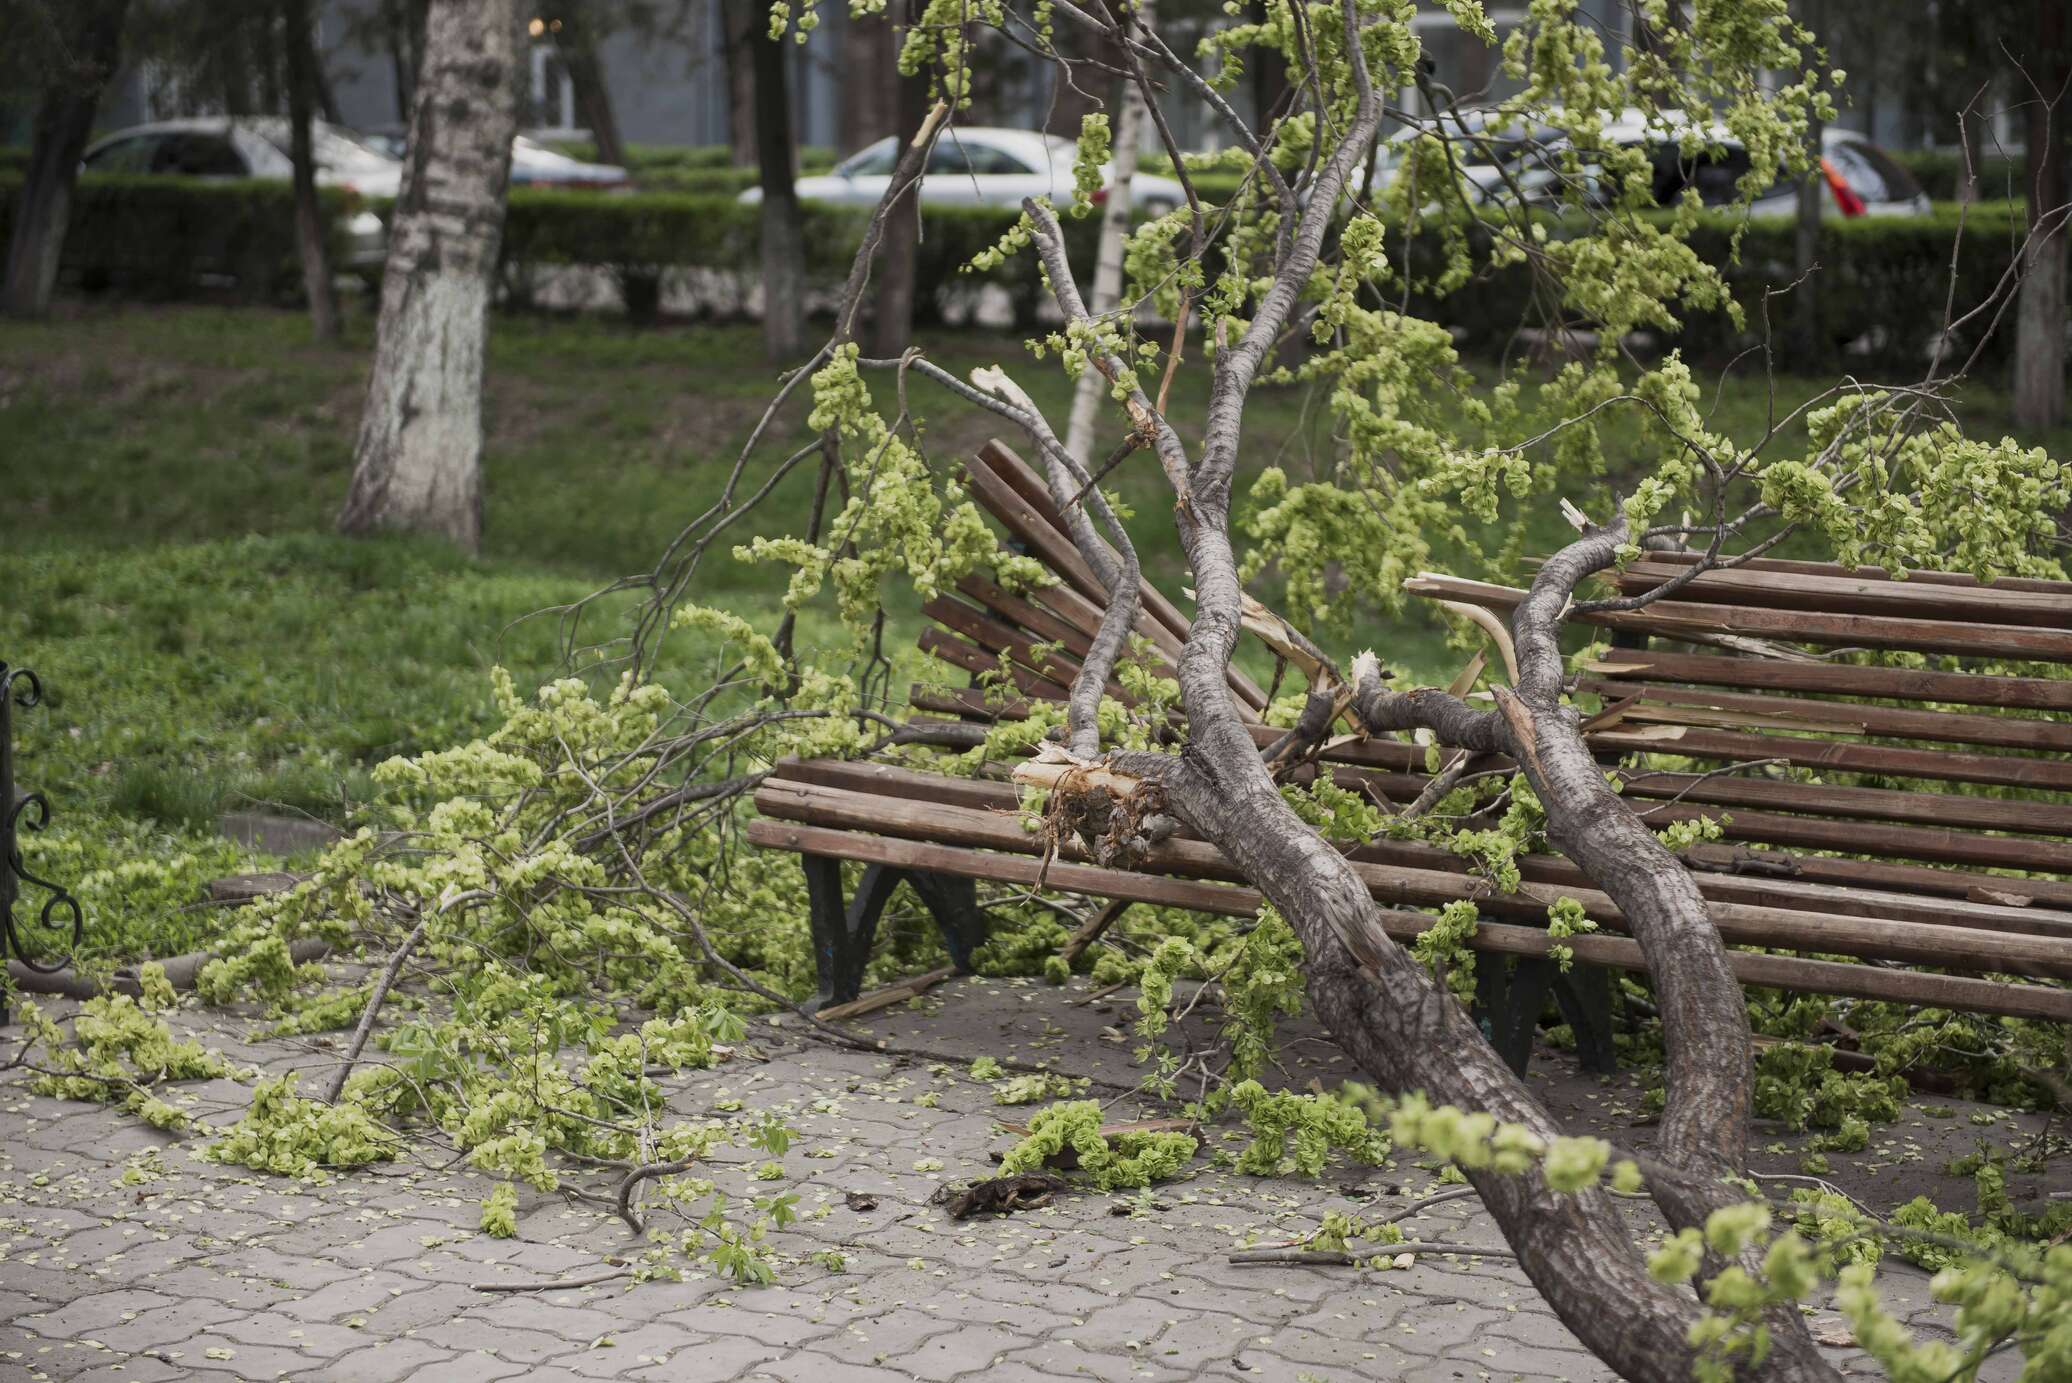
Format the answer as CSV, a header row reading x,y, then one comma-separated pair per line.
x,y
1911,890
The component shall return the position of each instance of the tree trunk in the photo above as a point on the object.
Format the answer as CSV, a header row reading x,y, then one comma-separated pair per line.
x,y
743,21
1813,194
64,118
784,238
417,464
870,91
2039,358
405,21
576,41
899,255
1091,389
309,212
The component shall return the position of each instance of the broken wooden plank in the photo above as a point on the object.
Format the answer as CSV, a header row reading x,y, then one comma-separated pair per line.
x,y
912,988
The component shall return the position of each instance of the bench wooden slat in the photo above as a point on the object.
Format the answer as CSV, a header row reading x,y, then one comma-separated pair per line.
x,y
1892,683
1778,972
1698,742
1879,838
1673,705
1865,804
1738,923
1682,619
1034,493
1926,879
973,659
1863,821
1008,489
1800,567
1802,893
1857,594
995,637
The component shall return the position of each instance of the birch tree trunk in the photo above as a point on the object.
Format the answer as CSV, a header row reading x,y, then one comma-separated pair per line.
x,y
309,213
418,462
1115,226
92,38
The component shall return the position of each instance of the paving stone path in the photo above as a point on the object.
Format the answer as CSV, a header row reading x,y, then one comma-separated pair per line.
x,y
209,1271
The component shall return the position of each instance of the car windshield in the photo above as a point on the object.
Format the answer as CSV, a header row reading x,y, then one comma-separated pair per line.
x,y
873,162
335,148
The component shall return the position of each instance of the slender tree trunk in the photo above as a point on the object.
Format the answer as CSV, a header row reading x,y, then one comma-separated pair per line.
x,y
899,259
417,464
870,96
2039,359
405,21
1813,193
309,212
784,237
576,40
743,21
64,118
1115,225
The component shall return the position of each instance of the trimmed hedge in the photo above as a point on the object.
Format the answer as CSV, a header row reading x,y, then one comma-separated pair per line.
x,y
162,237
1937,170
1883,283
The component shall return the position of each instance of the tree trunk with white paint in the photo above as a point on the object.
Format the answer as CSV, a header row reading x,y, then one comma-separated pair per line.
x,y
1115,227
418,462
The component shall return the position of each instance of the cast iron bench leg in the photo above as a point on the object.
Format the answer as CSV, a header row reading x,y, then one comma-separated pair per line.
x,y
1508,1002
843,932
1584,996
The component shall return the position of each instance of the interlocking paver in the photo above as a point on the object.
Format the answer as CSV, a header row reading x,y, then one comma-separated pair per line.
x,y
370,1276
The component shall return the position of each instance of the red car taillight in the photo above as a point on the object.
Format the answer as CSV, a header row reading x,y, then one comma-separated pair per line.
x,y
1845,195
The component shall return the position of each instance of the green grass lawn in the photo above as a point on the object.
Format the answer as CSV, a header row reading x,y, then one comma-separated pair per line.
x,y
168,478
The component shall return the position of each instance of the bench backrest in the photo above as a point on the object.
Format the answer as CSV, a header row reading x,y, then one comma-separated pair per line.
x,y
1751,678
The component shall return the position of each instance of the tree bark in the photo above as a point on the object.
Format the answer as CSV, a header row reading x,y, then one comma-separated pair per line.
x,y
783,227
576,40
405,21
309,212
2039,362
892,327
92,39
742,21
417,464
1376,1000
1813,193
870,89
1115,226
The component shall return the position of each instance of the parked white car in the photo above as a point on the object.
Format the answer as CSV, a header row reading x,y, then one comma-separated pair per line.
x,y
257,147
1861,178
977,166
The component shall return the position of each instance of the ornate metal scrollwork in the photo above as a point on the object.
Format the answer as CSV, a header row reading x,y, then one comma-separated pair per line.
x,y
21,811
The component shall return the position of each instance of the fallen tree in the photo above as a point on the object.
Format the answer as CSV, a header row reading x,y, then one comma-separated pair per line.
x,y
584,858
